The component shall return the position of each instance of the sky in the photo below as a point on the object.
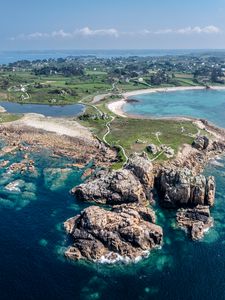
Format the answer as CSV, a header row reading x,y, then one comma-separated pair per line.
x,y
112,24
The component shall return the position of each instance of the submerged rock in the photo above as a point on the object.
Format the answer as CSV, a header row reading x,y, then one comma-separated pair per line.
x,y
196,220
125,232
55,178
15,186
181,188
131,184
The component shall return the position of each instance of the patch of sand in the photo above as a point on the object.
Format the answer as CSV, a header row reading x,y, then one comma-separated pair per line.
x,y
57,125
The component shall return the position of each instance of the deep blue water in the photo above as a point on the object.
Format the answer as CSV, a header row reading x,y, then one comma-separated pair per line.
x,y
12,56
47,110
206,104
32,241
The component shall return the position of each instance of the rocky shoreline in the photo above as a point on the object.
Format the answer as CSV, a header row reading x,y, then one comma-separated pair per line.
x,y
121,225
83,151
98,233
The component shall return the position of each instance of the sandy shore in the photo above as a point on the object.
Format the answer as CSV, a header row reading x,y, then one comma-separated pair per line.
x,y
59,126
117,106
2,109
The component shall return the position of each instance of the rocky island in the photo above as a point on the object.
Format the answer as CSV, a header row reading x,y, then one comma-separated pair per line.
x,y
126,232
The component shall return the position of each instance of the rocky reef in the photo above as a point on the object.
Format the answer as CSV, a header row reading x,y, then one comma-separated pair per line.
x,y
125,232
195,220
181,188
133,183
196,157
180,184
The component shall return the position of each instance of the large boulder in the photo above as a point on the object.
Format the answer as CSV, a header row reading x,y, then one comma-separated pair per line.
x,y
133,183
152,148
126,232
201,142
114,187
142,168
195,220
210,191
180,188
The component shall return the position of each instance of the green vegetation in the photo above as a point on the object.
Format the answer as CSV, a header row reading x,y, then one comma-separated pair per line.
x,y
5,117
135,134
78,79
70,80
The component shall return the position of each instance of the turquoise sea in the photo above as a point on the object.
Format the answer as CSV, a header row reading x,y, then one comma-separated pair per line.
x,y
32,238
206,104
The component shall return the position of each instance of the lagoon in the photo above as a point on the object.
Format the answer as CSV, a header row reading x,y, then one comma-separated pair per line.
x,y
70,110
205,104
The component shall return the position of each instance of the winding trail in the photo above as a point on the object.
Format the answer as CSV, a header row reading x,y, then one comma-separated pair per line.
x,y
96,99
107,143
108,130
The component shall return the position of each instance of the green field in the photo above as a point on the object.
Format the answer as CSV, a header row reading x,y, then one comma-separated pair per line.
x,y
134,134
5,117
57,89
54,89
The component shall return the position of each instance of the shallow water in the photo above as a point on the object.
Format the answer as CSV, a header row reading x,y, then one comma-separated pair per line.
x,y
206,104
47,110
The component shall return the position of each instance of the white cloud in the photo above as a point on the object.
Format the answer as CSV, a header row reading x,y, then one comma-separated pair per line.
x,y
211,29
86,31
197,29
61,34
163,31
112,32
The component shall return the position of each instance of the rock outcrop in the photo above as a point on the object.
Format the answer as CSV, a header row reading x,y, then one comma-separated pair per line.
x,y
126,232
115,187
180,188
152,148
131,184
196,220
142,168
201,142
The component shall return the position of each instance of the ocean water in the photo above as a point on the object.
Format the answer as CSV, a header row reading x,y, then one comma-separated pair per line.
x,y
206,104
12,56
33,240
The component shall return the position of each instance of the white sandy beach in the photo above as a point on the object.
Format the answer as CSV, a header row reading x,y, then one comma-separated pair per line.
x,y
117,106
57,125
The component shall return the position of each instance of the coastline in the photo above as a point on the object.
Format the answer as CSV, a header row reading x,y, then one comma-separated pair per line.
x,y
117,106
